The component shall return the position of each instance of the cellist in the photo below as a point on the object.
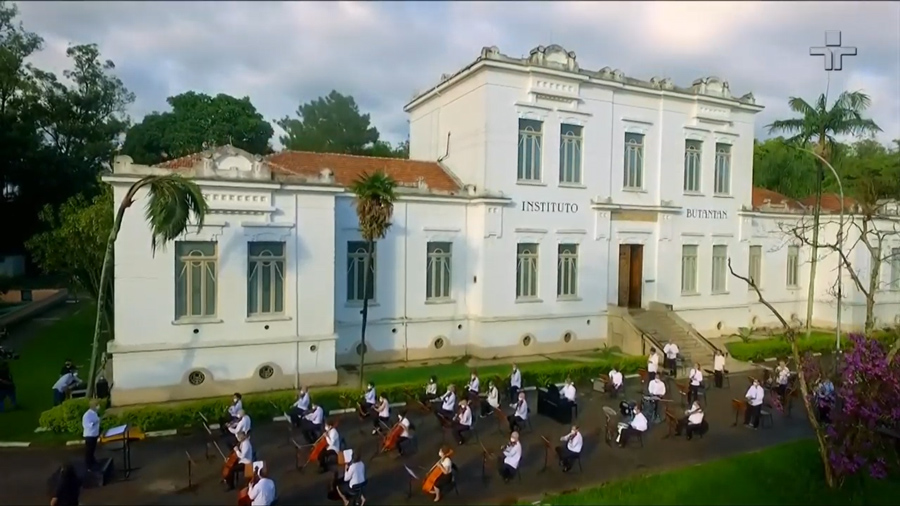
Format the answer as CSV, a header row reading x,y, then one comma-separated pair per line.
x,y
244,453
333,446
403,422
440,474
261,490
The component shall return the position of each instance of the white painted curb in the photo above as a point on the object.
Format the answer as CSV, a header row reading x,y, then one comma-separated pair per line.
x,y
14,444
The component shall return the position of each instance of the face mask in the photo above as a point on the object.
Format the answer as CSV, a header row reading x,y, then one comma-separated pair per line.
x,y
440,454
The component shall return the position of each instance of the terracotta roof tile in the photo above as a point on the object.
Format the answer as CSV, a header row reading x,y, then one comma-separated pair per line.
x,y
831,202
184,162
763,196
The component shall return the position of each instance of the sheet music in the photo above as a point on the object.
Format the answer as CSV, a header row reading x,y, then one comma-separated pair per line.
x,y
115,431
258,465
411,473
348,455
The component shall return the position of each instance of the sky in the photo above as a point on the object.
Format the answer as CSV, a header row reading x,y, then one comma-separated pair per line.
x,y
382,53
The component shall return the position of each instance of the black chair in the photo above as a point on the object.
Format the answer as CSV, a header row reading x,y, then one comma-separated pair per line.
x,y
576,459
454,474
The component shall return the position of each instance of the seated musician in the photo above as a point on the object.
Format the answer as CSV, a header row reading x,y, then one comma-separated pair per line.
x,y
493,400
383,414
512,454
242,424
572,449
616,380
719,368
443,482
569,394
333,442
670,350
695,377
370,399
473,386
638,425
693,419
404,435
299,408
462,422
354,479
755,396
657,390
518,418
244,451
448,403
782,378
431,389
231,414
311,424
262,489
515,383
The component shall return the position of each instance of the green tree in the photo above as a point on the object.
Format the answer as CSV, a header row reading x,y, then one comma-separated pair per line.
x,y
818,126
171,203
375,196
331,124
196,121
779,167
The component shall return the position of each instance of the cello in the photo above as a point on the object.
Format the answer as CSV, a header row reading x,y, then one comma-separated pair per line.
x,y
434,473
244,494
231,462
390,441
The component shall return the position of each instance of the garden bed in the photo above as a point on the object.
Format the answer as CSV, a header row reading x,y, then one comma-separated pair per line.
x,y
758,350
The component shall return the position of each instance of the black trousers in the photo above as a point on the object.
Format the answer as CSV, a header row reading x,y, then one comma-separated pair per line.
x,y
751,415
688,428
651,376
233,476
693,393
566,456
824,413
507,472
672,365
377,422
90,447
310,430
486,409
513,393
460,430
626,434
366,409
323,459
295,413
401,443
447,415
719,377
515,423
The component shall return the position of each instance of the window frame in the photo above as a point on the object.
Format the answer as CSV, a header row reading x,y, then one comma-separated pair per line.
x,y
209,267
571,145
567,271
356,260
530,130
438,288
694,288
719,265
634,143
527,256
722,176
255,265
693,166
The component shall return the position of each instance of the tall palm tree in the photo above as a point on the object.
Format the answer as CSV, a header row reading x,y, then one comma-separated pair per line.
x,y
819,126
172,200
375,197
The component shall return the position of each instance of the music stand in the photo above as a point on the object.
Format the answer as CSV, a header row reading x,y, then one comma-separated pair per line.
x,y
410,479
546,452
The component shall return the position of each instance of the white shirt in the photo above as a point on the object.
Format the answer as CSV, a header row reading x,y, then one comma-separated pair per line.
x,y
245,452
355,474
575,441
639,423
755,394
522,410
234,408
302,402
653,363
64,382
263,493
91,423
385,411
671,350
333,439
695,417
317,416
404,422
431,389
370,396
696,376
243,425
784,375
657,388
515,380
474,384
493,397
616,378
465,418
512,455
719,363
568,392
446,465
449,401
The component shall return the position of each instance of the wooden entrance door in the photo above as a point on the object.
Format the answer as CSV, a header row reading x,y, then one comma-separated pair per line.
x,y
631,279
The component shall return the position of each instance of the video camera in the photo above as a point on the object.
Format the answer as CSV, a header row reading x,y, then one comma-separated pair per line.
x,y
7,354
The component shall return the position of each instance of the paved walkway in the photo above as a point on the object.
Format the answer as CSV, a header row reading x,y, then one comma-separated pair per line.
x,y
162,477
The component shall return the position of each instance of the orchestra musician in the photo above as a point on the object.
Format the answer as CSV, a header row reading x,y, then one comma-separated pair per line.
x,y
354,479
311,423
444,466
824,400
693,419
299,408
369,400
332,446
448,403
657,390
473,386
616,380
515,383
261,490
572,449
462,422
403,422
755,396
719,368
383,414
782,378
90,422
518,418
638,425
512,454
431,390
231,414
244,453
493,400
670,350
241,425
695,376
569,394
652,363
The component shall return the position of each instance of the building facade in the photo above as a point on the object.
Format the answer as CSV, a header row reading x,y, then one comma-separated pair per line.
x,y
538,194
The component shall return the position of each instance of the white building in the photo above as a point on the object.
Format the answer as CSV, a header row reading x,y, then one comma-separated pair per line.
x,y
550,196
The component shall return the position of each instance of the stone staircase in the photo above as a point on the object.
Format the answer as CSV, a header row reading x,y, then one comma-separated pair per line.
x,y
664,328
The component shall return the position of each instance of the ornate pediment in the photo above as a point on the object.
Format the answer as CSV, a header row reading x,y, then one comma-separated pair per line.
x,y
553,56
712,86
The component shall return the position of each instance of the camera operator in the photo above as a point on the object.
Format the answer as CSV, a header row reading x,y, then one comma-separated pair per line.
x,y
7,386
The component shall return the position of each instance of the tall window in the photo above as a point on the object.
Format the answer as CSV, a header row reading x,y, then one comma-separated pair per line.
x,y
895,269
634,161
688,269
719,268
723,169
793,266
437,275
265,278
529,150
756,265
526,271
692,152
356,258
196,276
567,271
570,138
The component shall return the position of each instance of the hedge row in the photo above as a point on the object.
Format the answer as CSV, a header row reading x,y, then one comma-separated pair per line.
x,y
778,347
66,418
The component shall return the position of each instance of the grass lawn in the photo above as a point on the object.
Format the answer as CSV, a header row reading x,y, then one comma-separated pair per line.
x,y
420,374
786,474
777,347
35,372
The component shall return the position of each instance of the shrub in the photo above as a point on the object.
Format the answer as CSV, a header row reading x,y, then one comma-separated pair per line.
x,y
265,406
777,347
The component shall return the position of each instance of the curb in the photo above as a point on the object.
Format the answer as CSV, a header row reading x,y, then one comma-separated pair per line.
x,y
14,444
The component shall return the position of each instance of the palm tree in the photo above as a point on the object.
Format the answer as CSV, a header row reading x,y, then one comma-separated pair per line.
x,y
375,197
818,125
172,201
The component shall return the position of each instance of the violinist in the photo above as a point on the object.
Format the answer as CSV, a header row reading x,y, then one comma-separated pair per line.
x,y
404,422
231,414
512,454
445,465
493,400
333,442
518,418
261,490
383,414
462,422
311,424
448,403
473,386
572,449
244,453
354,479
241,425
431,390
370,398
299,408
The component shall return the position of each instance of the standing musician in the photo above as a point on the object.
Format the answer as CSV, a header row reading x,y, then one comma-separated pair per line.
x,y
354,478
691,422
90,422
311,424
383,414
657,391
782,378
231,414
244,453
755,396
403,422
512,454
518,418
299,408
431,389
652,363
696,379
569,394
241,425
444,466
670,350
493,400
333,442
719,368
515,383
473,386
369,400
637,426
824,400
568,453
462,422
448,403
261,490
616,380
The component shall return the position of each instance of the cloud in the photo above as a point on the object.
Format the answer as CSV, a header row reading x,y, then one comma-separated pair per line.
x,y
283,54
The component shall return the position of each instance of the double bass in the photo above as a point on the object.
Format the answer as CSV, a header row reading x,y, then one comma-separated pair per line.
x,y
433,474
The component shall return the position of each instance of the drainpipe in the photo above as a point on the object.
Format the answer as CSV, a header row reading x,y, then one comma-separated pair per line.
x,y
405,278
